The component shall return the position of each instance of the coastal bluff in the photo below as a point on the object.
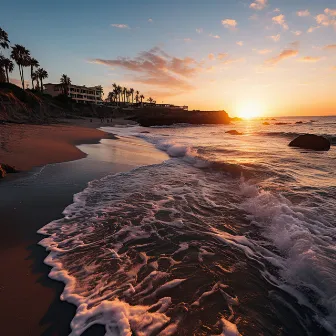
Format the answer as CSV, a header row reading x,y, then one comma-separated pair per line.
x,y
166,117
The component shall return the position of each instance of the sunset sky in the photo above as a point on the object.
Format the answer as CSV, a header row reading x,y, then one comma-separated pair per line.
x,y
277,57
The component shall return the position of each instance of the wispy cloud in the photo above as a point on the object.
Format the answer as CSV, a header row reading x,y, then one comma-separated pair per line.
x,y
157,68
262,51
303,13
312,29
229,23
276,10
120,25
330,47
280,20
221,56
150,20
233,60
214,36
310,59
240,43
275,38
211,57
297,32
287,53
258,4
199,30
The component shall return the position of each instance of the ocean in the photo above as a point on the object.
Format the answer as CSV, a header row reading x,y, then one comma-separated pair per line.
x,y
232,235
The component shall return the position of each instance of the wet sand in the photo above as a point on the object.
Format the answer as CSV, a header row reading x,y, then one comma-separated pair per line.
x,y
29,299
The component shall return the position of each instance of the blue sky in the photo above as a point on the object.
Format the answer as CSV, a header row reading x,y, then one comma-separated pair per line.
x,y
78,38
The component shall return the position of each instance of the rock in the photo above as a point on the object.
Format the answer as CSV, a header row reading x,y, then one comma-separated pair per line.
x,y
6,169
234,132
145,132
281,123
311,141
265,123
299,122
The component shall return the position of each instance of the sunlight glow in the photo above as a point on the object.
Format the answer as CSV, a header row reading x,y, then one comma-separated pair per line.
x,y
250,110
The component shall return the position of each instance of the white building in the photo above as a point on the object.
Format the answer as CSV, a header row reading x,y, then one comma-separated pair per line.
x,y
80,94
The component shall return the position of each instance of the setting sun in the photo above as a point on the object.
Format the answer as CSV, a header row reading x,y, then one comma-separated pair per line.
x,y
249,110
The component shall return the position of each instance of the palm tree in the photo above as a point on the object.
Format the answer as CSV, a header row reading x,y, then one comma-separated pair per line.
x,y
4,42
21,56
7,65
111,96
33,64
137,97
100,91
142,97
119,88
124,92
150,100
41,74
131,91
65,82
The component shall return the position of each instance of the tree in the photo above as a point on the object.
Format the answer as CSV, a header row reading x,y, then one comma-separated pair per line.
x,y
4,42
33,64
100,91
65,83
7,65
124,92
137,96
150,100
21,56
131,91
41,74
141,98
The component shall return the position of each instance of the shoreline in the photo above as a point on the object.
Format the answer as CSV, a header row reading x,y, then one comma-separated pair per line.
x,y
28,202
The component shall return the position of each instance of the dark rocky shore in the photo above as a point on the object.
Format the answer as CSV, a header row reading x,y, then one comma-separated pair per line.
x,y
165,117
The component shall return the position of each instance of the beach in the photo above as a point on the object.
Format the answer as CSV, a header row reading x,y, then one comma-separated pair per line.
x,y
31,199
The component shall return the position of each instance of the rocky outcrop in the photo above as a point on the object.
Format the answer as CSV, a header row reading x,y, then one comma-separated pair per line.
x,y
234,132
165,117
311,141
6,169
266,123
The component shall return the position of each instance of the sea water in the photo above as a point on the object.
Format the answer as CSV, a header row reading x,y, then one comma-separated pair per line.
x,y
234,234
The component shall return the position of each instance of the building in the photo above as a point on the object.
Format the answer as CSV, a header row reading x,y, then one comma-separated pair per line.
x,y
80,94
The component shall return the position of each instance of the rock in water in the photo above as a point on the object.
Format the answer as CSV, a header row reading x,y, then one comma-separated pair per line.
x,y
6,169
311,141
265,123
234,132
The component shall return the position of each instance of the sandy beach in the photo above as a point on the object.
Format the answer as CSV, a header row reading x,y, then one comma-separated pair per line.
x,y
37,196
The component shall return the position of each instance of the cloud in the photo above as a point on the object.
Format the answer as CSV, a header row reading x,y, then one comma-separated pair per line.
x,y
120,25
327,19
211,57
287,53
150,20
214,36
297,32
229,23
240,43
312,29
220,56
262,51
303,13
276,10
157,68
275,38
280,20
233,60
199,30
310,59
258,4
330,47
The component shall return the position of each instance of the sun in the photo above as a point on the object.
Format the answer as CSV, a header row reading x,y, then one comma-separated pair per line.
x,y
249,110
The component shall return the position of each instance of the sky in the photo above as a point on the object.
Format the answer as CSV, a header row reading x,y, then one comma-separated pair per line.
x,y
263,57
